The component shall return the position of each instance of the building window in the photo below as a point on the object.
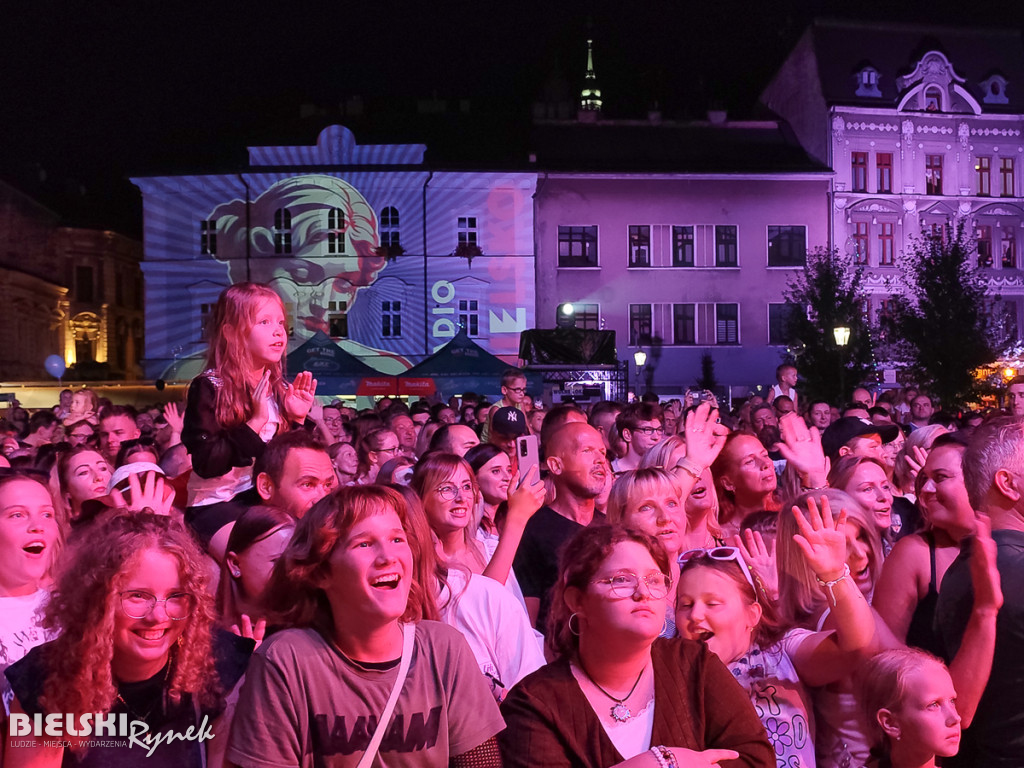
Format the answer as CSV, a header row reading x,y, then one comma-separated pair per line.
x,y
467,231
787,246
684,323
983,172
639,246
335,230
886,244
682,246
867,82
85,284
205,315
391,319
639,324
939,231
390,227
983,238
469,316
577,246
780,317
883,168
337,319
860,243
932,99
587,316
119,291
282,231
1009,249
727,323
860,172
933,174
208,237
1006,176
725,246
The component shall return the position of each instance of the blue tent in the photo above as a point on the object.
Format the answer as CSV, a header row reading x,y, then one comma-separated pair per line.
x,y
462,365
337,372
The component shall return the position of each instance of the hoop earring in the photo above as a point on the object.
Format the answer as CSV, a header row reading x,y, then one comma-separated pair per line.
x,y
575,632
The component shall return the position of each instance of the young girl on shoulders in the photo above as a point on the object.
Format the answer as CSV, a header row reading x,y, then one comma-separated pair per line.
x,y
236,406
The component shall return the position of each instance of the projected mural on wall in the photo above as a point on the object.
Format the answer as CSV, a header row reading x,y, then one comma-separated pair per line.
x,y
363,243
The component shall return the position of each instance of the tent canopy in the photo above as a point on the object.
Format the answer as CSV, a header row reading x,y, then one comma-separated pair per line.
x,y
337,372
462,365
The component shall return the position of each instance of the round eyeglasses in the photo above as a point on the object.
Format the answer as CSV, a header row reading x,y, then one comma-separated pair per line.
x,y
137,604
449,492
626,584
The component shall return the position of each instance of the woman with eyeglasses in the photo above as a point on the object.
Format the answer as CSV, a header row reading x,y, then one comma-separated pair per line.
x,y
721,603
374,449
617,694
135,617
448,489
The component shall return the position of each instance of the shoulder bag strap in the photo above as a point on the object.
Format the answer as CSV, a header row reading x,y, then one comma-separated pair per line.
x,y
408,636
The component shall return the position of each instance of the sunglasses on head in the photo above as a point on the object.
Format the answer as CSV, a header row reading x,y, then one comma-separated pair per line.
x,y
722,554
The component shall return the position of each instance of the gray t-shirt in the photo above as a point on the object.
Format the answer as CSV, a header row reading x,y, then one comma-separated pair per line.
x,y
304,704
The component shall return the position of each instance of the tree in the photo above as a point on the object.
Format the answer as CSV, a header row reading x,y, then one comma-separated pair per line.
x,y
829,293
941,319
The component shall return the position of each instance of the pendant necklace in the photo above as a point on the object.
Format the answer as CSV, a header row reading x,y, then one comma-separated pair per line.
x,y
620,713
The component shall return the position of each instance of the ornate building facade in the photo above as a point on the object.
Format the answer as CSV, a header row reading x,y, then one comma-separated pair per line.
x,y
923,128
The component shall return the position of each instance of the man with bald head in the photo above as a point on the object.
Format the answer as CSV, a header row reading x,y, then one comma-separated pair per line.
x,y
576,463
454,438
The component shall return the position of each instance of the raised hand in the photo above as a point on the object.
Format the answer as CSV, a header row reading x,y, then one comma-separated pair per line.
x,y
801,447
916,458
760,557
299,397
822,539
704,435
260,409
248,629
524,500
175,417
154,495
985,580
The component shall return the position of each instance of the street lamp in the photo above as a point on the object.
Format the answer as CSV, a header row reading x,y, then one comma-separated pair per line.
x,y
841,333
640,358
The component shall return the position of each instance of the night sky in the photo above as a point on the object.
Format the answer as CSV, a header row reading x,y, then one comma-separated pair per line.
x,y
96,92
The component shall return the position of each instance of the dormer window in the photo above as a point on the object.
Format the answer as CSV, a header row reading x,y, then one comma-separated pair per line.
x,y
995,90
932,99
867,82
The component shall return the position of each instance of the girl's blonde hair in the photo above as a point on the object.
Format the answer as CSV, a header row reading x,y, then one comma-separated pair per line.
x,y
234,316
801,599
882,683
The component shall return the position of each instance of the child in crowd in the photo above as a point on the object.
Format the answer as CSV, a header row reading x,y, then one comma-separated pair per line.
x,y
236,406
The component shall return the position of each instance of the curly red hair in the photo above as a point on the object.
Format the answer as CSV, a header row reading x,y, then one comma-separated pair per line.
x,y
83,606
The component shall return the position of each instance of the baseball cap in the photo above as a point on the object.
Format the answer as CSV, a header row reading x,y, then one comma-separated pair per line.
x,y
509,421
842,431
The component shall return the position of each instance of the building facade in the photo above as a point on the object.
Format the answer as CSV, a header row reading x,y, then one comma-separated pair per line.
x,y
366,243
66,291
682,238
923,128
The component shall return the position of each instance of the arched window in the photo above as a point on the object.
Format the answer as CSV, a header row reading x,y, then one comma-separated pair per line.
x,y
390,231
933,99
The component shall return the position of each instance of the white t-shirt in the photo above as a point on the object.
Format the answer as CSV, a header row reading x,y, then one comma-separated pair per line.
x,y
20,632
779,698
495,626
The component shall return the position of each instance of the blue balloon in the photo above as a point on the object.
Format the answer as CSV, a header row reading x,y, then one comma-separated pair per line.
x,y
55,366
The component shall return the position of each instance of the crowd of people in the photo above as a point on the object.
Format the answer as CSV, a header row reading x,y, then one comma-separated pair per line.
x,y
267,579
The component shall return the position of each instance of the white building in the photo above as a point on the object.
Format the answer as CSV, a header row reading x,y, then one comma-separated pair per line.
x,y
922,126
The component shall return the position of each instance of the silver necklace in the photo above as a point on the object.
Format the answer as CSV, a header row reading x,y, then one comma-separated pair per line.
x,y
619,711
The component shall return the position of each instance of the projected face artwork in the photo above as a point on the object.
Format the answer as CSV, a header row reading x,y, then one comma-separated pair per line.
x,y
313,238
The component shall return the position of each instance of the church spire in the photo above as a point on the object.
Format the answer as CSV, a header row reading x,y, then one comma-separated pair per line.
x,y
590,96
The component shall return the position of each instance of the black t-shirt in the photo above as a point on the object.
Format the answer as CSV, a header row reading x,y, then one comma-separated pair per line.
x,y
996,736
143,700
536,561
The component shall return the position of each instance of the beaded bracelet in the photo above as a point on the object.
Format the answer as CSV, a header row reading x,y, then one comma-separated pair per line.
x,y
828,585
656,751
668,756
